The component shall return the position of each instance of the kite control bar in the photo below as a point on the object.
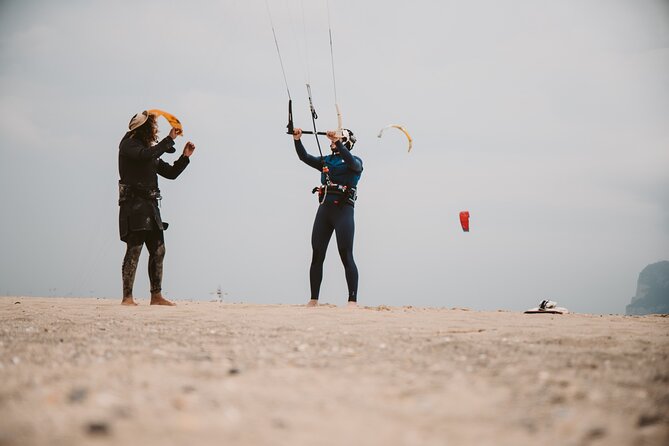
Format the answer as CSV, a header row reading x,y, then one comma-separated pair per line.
x,y
290,126
307,132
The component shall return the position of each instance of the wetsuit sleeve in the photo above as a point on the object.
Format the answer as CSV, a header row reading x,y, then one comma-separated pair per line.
x,y
351,161
172,171
134,149
311,160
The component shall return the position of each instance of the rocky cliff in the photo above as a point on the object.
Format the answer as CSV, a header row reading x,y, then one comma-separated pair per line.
x,y
652,290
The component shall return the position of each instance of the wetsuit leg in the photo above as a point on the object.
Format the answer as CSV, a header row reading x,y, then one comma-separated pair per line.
x,y
155,243
320,238
345,230
134,244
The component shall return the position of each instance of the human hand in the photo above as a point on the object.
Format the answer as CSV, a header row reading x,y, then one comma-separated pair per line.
x,y
333,135
189,148
297,134
174,132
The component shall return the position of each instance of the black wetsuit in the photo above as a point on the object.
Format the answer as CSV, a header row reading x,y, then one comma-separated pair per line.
x,y
335,214
139,215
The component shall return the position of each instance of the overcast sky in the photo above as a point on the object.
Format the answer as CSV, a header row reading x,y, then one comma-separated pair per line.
x,y
547,120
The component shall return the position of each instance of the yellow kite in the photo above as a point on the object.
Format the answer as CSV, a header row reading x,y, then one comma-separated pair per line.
x,y
174,122
400,128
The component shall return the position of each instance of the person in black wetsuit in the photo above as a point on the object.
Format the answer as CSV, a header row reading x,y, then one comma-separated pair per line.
x,y
139,165
340,173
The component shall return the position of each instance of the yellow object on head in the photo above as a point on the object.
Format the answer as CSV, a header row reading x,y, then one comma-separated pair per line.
x,y
173,120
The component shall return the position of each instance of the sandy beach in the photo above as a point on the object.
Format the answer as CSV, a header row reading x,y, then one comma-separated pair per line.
x,y
89,371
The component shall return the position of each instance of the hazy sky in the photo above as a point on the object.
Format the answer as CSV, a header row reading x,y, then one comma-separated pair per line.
x,y
547,120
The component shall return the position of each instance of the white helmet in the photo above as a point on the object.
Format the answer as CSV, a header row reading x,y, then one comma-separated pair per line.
x,y
348,138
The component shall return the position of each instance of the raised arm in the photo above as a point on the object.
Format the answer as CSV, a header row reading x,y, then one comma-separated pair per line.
x,y
351,161
313,161
132,148
170,172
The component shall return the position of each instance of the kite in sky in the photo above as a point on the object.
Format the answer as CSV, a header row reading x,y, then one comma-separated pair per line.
x,y
400,128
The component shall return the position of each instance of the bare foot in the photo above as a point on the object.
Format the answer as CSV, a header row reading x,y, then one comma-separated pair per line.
x,y
129,301
352,304
158,299
312,303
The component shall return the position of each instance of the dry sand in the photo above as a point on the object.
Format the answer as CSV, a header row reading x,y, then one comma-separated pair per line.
x,y
88,371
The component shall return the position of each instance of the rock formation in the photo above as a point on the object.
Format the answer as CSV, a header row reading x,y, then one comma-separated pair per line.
x,y
652,290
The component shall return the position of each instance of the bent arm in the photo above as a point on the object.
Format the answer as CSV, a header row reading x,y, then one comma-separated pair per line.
x,y
311,160
132,148
352,162
172,171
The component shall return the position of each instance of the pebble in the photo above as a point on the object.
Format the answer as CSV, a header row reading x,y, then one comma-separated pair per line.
x,y
77,395
122,412
648,420
188,389
558,399
595,433
97,428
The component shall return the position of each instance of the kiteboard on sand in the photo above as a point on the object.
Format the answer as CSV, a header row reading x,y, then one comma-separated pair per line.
x,y
547,306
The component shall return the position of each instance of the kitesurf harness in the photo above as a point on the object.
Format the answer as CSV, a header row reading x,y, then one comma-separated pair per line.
x,y
348,194
128,191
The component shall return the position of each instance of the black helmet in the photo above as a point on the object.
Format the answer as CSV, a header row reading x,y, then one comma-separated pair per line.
x,y
348,138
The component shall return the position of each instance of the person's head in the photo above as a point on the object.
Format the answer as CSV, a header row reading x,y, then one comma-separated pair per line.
x,y
348,139
143,126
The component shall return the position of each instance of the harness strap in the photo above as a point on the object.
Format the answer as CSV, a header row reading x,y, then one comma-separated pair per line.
x,y
128,191
350,193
